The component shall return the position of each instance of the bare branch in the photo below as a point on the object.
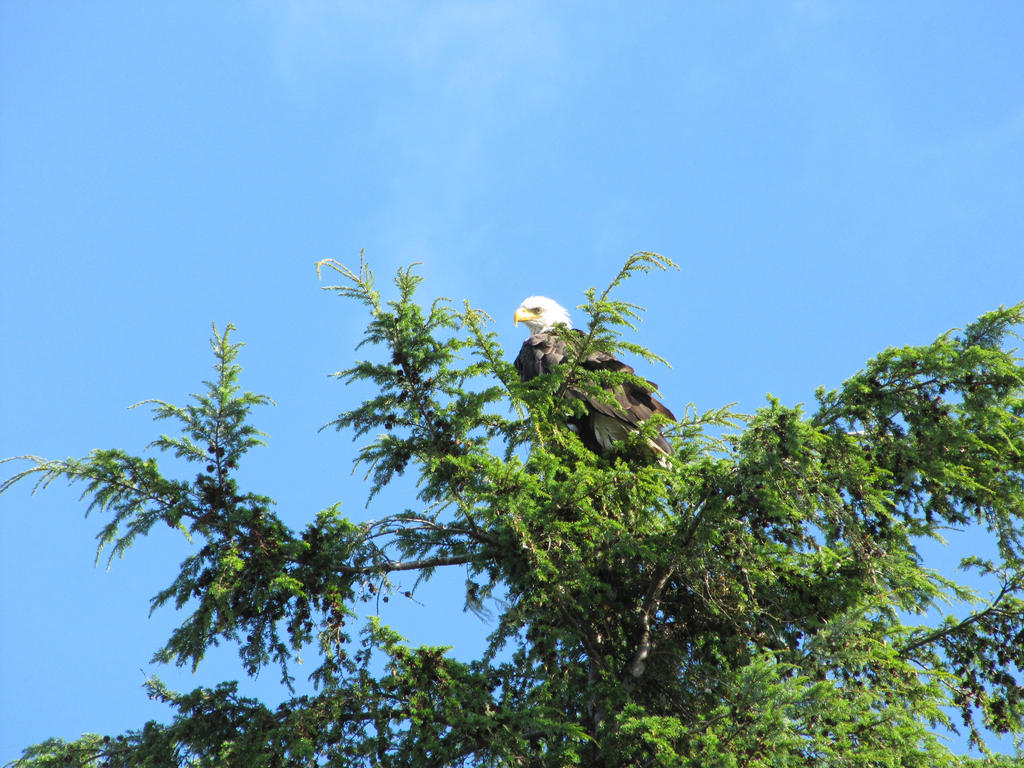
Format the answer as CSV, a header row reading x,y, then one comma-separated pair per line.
x,y
409,565
635,668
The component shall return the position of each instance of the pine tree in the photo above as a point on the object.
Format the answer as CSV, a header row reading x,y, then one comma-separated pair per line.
x,y
756,600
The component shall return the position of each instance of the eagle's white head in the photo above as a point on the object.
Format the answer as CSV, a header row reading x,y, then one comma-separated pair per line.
x,y
539,314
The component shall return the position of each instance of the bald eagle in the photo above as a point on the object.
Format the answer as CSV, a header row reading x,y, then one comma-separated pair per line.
x,y
604,423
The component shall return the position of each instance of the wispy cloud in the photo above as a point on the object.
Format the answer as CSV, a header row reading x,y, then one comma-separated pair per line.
x,y
429,93
468,48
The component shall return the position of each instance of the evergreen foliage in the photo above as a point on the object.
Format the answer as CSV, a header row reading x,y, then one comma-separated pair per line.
x,y
758,601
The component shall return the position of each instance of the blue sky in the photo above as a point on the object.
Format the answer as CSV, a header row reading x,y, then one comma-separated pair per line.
x,y
832,178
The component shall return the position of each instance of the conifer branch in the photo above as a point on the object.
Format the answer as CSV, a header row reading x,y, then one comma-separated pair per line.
x,y
1008,589
604,314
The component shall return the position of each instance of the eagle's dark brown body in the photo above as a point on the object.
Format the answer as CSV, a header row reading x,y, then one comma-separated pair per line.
x,y
603,423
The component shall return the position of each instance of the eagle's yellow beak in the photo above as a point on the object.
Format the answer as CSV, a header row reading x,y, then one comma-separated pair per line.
x,y
522,315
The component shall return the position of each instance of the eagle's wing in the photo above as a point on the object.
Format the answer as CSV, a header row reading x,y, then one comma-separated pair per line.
x,y
634,404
